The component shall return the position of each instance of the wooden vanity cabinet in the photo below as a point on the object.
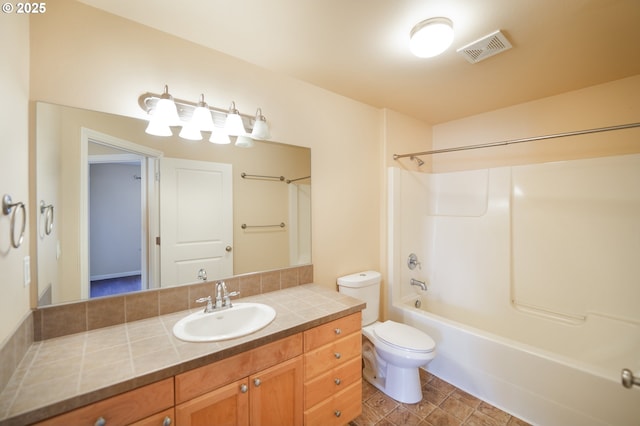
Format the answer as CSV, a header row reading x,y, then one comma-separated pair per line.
x,y
333,372
145,405
267,389
311,378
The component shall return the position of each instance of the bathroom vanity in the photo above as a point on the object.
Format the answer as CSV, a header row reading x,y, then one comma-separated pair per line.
x,y
304,368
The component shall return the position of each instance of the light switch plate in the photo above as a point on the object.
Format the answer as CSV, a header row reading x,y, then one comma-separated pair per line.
x,y
27,271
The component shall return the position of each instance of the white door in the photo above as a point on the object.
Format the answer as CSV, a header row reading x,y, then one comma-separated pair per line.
x,y
196,220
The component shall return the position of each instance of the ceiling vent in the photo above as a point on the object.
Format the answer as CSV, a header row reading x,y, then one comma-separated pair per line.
x,y
487,46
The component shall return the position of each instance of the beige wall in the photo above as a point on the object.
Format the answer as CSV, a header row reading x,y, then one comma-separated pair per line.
x,y
86,58
14,164
609,104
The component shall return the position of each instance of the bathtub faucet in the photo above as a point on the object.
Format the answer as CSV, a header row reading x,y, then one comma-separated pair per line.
x,y
421,284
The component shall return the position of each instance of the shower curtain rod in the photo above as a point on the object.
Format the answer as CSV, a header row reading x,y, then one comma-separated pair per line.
x,y
514,141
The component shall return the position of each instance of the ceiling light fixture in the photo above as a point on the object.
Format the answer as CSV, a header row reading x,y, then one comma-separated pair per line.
x,y
431,37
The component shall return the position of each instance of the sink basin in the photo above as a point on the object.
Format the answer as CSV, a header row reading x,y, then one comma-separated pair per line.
x,y
229,323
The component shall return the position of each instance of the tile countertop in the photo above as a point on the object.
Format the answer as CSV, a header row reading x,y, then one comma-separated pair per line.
x,y
64,373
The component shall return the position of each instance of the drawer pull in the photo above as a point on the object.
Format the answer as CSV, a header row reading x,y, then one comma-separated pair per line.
x,y
243,388
337,413
166,421
100,421
337,381
256,382
338,331
337,355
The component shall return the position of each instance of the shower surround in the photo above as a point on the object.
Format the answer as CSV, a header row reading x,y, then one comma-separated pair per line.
x,y
532,275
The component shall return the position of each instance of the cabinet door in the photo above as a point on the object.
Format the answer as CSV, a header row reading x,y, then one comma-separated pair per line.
x,y
228,405
276,395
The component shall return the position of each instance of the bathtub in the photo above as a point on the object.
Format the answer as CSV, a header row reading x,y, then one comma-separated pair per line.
x,y
535,385
543,340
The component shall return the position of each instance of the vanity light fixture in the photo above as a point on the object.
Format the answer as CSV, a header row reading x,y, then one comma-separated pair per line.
x,y
431,37
233,125
244,142
164,115
156,128
200,121
260,128
165,112
219,137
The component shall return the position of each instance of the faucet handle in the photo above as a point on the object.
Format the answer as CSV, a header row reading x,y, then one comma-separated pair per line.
x,y
208,301
228,297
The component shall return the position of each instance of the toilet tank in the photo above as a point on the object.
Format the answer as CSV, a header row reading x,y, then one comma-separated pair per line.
x,y
366,287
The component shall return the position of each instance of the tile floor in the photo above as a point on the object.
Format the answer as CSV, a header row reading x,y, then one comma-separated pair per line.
x,y
442,405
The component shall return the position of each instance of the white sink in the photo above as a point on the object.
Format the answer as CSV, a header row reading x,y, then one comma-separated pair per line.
x,y
229,323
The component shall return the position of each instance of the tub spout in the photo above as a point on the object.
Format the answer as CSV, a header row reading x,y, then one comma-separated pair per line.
x,y
421,284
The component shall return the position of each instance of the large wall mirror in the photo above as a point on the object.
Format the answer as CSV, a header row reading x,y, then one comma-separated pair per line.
x,y
120,210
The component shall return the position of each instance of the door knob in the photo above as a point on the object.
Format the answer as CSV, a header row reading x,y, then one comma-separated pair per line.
x,y
256,382
228,249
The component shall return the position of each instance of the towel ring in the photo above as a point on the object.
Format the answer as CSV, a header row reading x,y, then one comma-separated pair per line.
x,y
7,206
47,211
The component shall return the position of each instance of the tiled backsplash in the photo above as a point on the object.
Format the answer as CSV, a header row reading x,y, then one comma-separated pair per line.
x,y
60,320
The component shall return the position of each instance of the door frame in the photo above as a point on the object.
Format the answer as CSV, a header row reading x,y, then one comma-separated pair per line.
x,y
150,207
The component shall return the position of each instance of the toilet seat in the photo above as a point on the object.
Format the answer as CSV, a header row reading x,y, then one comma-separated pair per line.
x,y
404,337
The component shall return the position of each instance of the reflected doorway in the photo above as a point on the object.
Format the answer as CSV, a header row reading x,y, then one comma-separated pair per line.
x,y
116,234
121,203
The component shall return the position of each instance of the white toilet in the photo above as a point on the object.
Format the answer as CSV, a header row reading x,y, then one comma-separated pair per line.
x,y
399,349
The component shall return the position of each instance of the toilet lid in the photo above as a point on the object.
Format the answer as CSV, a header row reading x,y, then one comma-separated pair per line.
x,y
404,337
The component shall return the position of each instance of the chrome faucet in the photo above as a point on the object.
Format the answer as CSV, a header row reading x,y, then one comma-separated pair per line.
x,y
421,284
223,297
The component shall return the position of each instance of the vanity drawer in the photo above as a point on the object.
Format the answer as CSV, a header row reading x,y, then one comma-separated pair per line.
x,y
332,331
122,409
332,355
332,381
337,410
209,377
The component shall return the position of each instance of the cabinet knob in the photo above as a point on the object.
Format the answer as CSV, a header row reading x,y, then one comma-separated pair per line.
x,y
100,421
166,421
256,382
244,388
337,413
337,381
337,355
338,331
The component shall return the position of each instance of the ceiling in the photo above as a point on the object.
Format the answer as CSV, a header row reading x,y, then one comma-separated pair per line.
x,y
359,48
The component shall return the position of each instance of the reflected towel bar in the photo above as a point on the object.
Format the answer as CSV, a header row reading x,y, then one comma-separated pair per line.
x,y
47,212
514,141
245,226
247,176
301,178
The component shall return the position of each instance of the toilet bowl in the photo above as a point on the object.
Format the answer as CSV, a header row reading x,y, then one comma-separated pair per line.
x,y
392,352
